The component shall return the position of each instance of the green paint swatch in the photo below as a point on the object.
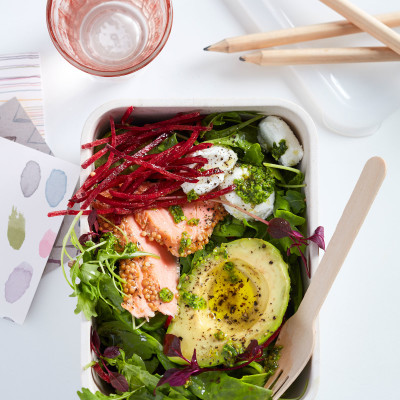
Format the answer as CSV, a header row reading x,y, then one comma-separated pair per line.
x,y
16,229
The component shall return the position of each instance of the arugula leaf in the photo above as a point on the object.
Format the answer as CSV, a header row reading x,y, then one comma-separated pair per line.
x,y
94,273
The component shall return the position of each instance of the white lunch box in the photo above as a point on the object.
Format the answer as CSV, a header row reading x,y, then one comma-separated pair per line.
x,y
304,128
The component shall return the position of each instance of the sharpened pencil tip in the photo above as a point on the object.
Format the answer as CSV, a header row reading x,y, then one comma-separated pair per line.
x,y
242,59
206,48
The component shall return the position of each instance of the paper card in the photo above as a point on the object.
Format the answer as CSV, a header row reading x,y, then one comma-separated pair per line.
x,y
20,77
33,184
16,125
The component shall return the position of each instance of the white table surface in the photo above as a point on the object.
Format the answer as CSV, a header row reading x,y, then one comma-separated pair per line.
x,y
359,323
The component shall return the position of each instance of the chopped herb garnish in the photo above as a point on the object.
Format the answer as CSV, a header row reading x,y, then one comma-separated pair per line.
x,y
185,243
229,267
165,295
230,352
193,221
256,186
220,335
177,213
193,301
192,195
278,150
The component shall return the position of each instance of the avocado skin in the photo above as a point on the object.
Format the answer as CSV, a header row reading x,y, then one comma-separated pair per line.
x,y
250,306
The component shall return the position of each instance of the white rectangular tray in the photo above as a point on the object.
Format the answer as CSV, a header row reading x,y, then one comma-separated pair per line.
x,y
296,117
349,99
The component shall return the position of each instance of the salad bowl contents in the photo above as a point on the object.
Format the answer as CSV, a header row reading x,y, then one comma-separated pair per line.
x,y
196,248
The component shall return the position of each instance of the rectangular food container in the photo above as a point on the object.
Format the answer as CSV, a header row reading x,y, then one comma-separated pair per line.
x,y
153,110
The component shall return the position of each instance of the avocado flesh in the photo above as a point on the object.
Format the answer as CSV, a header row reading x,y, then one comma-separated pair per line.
x,y
245,302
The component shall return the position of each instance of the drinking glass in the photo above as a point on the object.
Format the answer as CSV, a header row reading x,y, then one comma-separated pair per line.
x,y
106,37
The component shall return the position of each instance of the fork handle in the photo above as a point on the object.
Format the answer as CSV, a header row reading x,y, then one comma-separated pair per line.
x,y
342,239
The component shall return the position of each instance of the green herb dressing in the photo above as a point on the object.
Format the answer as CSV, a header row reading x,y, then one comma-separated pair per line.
x,y
177,214
256,186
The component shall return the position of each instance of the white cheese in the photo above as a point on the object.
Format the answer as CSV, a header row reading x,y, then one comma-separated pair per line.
x,y
274,129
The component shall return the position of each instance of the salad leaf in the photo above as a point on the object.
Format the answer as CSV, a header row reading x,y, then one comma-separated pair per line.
x,y
219,386
229,227
164,145
86,394
129,351
246,124
247,142
259,229
280,202
296,285
116,333
293,219
218,119
253,155
256,379
295,200
94,273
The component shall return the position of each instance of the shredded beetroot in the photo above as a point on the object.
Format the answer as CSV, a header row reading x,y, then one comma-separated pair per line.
x,y
138,161
126,115
190,160
117,185
200,146
148,194
94,158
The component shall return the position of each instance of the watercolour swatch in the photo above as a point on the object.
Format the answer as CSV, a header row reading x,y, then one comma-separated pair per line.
x,y
34,183
16,125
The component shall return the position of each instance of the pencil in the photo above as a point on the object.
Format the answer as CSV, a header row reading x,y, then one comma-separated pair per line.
x,y
321,56
295,35
366,22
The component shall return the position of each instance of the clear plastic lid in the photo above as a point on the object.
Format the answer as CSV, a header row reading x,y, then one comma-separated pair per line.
x,y
350,99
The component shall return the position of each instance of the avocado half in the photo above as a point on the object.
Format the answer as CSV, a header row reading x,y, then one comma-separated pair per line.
x,y
246,286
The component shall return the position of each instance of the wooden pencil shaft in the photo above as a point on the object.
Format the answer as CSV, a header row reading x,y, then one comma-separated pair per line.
x,y
321,56
296,35
366,22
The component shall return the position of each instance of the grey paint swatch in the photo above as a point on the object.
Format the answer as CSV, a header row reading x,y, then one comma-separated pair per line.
x,y
30,178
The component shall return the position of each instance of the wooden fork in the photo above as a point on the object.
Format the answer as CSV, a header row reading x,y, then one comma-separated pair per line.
x,y
297,336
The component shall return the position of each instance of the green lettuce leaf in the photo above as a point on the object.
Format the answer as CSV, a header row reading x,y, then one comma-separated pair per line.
x,y
220,386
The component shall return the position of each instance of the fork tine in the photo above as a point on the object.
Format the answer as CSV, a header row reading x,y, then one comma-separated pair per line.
x,y
269,384
276,391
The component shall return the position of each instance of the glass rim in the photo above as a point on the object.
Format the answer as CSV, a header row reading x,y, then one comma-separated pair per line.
x,y
114,73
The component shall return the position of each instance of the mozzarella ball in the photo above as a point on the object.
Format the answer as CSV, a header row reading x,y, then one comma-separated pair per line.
x,y
218,157
262,210
274,129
